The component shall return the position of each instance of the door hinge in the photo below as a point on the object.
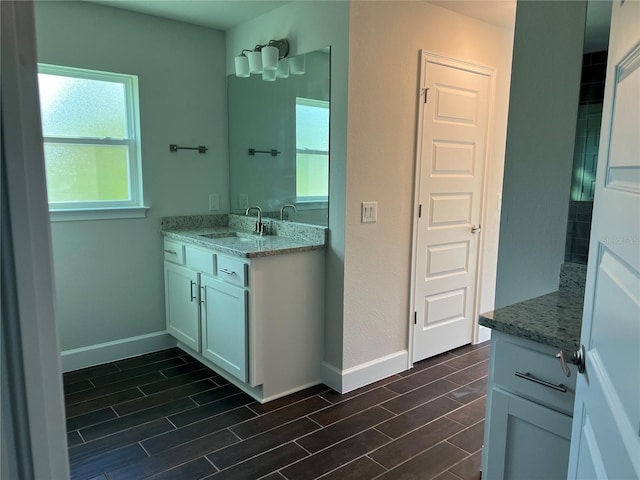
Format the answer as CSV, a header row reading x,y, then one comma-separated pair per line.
x,y
415,318
420,211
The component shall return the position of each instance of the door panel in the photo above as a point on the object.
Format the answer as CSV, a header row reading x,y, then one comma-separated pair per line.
x,y
181,292
452,149
606,428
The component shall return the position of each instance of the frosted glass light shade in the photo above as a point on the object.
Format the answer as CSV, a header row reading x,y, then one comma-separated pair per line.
x,y
283,68
242,66
269,75
297,64
255,62
270,58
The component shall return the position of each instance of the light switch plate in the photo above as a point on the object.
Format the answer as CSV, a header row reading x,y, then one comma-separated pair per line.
x,y
214,201
369,212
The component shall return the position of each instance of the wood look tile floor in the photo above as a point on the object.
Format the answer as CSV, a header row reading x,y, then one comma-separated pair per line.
x,y
166,416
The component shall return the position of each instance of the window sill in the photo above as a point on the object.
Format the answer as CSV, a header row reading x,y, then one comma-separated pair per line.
x,y
72,215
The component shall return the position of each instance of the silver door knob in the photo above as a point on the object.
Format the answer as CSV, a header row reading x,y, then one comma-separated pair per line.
x,y
476,228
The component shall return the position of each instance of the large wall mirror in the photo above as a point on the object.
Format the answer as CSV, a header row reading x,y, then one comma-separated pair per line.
x,y
279,141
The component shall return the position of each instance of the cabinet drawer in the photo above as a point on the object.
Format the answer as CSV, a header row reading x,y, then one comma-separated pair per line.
x,y
518,365
200,259
174,252
233,271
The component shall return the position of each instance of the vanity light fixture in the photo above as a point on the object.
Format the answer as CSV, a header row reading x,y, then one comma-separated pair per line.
x,y
264,59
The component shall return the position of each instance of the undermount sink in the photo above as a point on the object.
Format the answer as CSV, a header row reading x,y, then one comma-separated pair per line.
x,y
239,237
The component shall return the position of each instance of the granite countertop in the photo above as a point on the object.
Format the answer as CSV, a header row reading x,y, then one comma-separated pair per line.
x,y
234,241
554,319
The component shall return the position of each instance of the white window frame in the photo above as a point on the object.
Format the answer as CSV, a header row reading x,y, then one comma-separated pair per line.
x,y
311,201
105,209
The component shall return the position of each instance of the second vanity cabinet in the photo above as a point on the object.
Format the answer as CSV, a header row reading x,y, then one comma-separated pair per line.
x,y
257,321
529,411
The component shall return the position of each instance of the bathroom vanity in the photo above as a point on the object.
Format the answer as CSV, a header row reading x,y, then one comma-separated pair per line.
x,y
248,306
529,395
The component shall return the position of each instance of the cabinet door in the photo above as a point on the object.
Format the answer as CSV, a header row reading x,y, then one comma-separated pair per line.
x,y
224,323
526,440
181,298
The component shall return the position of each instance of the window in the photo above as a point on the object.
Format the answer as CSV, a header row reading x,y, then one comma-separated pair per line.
x,y
90,128
312,150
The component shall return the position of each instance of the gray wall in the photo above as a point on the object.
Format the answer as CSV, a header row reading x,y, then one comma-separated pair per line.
x,y
108,274
545,84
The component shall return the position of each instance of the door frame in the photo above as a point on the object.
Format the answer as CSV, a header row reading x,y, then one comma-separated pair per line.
x,y
490,72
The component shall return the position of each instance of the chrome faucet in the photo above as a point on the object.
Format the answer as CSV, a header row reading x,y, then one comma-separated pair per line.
x,y
286,206
259,228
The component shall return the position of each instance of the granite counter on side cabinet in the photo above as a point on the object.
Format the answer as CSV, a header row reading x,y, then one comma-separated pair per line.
x,y
554,319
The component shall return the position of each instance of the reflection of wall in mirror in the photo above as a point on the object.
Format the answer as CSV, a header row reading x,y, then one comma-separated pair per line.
x,y
262,116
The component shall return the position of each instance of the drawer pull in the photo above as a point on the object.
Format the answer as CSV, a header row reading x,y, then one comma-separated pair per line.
x,y
228,272
193,297
531,378
172,252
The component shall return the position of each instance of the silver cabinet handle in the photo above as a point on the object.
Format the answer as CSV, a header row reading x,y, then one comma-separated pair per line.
x,y
193,297
228,272
171,252
531,378
202,293
476,228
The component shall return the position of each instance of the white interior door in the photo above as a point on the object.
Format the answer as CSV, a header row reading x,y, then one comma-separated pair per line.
x,y
450,168
606,424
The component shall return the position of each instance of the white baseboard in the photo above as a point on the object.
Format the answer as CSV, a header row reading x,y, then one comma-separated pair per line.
x,y
351,378
116,350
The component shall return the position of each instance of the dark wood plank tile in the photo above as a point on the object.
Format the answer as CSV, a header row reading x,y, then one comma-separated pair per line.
x,y
97,392
227,457
216,394
120,439
428,464
470,374
410,445
427,363
88,373
361,469
135,372
469,348
417,417
77,387
121,423
468,359
111,459
471,413
273,476
102,402
182,369
195,430
164,397
262,464
470,392
210,409
83,421
447,475
194,469
352,406
335,397
148,358
73,439
174,457
470,439
423,377
262,408
468,469
419,396
278,417
167,383
340,430
335,456
99,477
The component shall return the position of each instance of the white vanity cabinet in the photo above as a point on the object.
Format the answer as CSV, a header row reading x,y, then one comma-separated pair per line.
x,y
529,411
256,321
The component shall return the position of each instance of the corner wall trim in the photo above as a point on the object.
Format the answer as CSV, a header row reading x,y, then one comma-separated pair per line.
x,y
358,376
117,350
